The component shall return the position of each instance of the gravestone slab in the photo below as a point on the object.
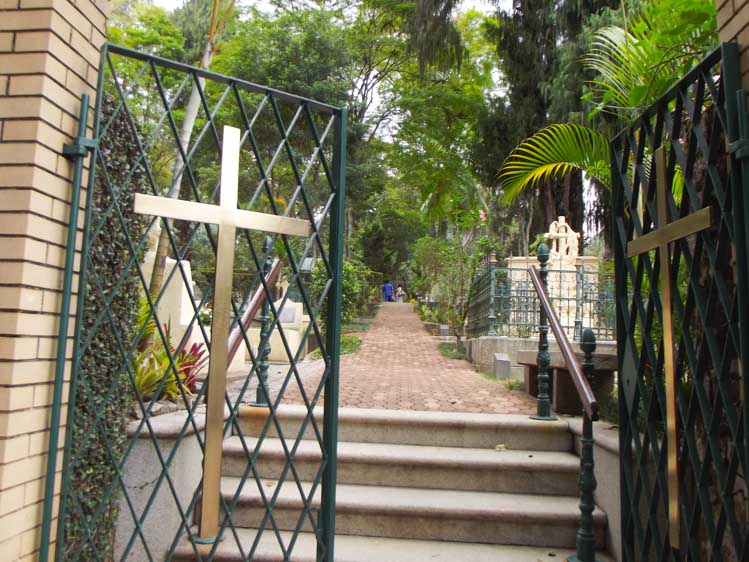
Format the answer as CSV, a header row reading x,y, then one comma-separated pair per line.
x,y
502,368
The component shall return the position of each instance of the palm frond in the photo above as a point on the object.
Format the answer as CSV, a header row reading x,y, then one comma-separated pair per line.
x,y
555,151
631,73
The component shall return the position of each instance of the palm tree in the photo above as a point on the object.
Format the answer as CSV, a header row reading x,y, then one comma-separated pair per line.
x,y
555,151
635,65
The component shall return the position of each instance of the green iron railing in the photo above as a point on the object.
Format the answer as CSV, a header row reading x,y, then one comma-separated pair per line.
x,y
582,377
502,302
698,513
292,162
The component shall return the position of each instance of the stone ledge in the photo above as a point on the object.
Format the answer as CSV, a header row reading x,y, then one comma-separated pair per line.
x,y
604,434
169,426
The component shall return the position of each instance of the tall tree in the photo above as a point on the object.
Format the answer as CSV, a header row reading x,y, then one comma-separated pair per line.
x,y
193,18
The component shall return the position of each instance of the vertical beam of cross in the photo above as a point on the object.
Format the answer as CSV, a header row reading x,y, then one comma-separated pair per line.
x,y
659,239
214,423
228,218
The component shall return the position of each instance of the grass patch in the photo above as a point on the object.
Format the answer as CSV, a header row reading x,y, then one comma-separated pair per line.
x,y
513,384
451,350
510,384
349,344
356,326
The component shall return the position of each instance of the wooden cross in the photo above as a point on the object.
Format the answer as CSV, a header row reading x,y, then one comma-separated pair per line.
x,y
660,239
228,218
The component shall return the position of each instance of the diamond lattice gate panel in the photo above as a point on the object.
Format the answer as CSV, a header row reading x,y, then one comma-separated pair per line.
x,y
681,285
139,438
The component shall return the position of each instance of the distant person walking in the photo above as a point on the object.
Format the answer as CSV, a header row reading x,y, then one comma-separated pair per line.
x,y
399,293
387,291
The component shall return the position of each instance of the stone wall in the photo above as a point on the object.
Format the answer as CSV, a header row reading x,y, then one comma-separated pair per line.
x,y
50,55
733,23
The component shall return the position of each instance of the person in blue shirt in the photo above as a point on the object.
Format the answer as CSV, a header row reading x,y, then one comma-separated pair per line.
x,y
387,291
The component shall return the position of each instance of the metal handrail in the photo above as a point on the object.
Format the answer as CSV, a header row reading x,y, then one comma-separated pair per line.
x,y
573,365
236,336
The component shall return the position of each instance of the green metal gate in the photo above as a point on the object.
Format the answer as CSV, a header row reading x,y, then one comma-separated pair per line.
x,y
131,476
691,144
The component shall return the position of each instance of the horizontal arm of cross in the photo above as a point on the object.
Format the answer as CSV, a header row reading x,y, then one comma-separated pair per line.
x,y
213,214
681,228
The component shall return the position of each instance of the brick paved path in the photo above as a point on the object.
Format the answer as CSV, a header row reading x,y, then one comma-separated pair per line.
x,y
399,367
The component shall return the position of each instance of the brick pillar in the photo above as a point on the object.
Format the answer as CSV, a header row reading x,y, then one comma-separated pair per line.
x,y
49,56
733,23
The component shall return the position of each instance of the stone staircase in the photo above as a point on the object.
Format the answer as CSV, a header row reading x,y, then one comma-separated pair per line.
x,y
417,486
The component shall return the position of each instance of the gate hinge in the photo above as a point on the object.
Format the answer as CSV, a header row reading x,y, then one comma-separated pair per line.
x,y
739,149
79,147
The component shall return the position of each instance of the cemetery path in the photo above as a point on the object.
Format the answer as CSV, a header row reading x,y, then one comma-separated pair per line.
x,y
399,367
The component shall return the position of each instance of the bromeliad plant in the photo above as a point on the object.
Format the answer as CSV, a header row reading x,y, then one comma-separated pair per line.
x,y
158,369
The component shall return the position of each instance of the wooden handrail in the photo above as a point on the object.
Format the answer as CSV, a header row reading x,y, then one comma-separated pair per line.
x,y
573,365
235,337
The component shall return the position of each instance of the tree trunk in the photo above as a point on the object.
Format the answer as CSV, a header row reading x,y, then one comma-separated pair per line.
x,y
191,114
549,204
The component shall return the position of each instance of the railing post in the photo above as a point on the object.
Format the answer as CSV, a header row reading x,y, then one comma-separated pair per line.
x,y
492,287
543,403
579,280
586,538
261,397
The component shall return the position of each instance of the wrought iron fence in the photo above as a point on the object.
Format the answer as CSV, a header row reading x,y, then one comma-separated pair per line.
x,y
503,302
131,485
682,313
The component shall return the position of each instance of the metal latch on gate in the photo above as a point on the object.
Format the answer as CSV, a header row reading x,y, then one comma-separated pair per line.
x,y
79,147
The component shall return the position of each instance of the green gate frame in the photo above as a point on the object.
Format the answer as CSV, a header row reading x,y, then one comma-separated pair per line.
x,y
697,122
319,122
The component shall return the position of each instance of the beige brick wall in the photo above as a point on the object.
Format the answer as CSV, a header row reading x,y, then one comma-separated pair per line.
x,y
733,23
48,58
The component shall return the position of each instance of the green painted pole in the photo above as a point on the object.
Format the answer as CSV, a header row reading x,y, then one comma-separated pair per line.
x,y
492,288
76,151
326,543
261,399
586,539
737,131
543,401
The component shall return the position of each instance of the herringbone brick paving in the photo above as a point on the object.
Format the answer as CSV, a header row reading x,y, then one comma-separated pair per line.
x,y
398,367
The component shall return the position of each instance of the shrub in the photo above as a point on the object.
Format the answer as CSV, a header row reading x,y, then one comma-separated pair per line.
x,y
104,388
151,365
357,285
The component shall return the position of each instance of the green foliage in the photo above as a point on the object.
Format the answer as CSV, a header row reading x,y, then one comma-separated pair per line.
x,y
452,350
148,29
357,281
104,388
512,384
349,344
634,67
160,370
302,51
355,326
444,269
194,20
638,64
554,152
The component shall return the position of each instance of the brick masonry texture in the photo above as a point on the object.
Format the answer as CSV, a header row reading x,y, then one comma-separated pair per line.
x,y
733,24
398,367
50,55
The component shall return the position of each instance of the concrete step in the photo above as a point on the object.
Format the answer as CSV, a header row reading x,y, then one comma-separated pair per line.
x,y
447,468
376,549
438,429
423,514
